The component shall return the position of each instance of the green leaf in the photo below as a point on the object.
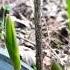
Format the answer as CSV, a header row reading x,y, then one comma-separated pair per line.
x,y
68,7
34,67
7,7
68,12
56,66
11,43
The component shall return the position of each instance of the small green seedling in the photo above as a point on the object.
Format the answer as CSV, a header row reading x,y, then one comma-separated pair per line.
x,y
56,66
11,43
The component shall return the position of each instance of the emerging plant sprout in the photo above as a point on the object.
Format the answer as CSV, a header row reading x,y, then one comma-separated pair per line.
x,y
11,43
56,66
68,12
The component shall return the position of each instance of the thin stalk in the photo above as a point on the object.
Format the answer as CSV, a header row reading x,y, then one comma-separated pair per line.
x,y
38,34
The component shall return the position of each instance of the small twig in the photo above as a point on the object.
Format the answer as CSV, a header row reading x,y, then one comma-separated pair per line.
x,y
49,38
24,18
28,41
27,24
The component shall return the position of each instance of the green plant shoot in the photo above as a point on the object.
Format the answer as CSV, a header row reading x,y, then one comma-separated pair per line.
x,y
56,66
68,12
11,43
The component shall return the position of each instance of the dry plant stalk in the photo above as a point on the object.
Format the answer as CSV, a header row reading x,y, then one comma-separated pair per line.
x,y
38,33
